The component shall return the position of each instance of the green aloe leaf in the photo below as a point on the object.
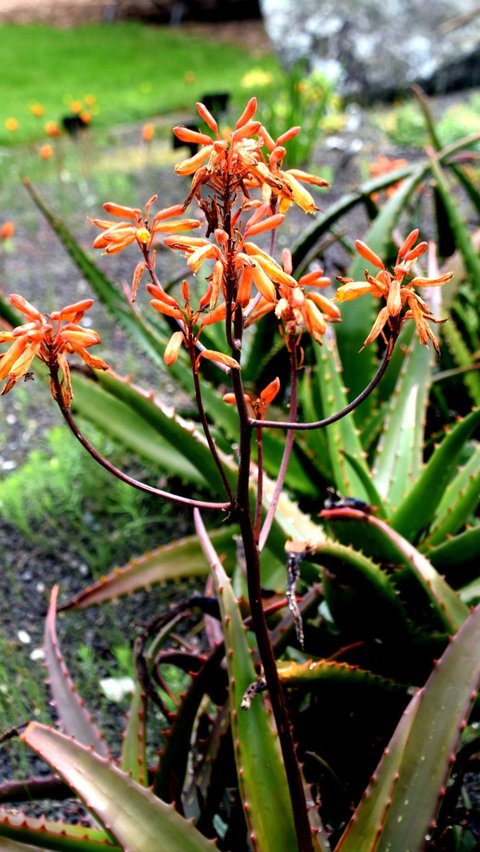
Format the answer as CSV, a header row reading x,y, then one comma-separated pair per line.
x,y
261,774
365,477
360,595
403,797
417,510
73,715
460,230
391,547
138,820
342,435
459,501
318,672
133,759
399,455
463,359
181,558
459,555
29,834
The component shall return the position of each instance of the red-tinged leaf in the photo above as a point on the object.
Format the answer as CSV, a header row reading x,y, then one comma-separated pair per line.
x,y
74,718
138,821
182,558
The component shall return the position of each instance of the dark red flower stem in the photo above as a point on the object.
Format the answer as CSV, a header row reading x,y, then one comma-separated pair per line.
x,y
259,624
115,471
320,424
203,417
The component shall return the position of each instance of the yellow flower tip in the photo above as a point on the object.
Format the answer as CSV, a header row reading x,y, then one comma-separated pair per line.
x,y
173,348
11,124
143,235
37,110
219,357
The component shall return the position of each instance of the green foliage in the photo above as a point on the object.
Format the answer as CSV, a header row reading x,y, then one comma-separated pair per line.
x,y
39,493
118,64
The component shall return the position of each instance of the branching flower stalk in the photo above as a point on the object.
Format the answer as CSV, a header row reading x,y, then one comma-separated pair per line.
x,y
243,191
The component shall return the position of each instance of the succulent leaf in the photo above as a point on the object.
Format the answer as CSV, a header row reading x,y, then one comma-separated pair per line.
x,y
451,610
459,501
261,774
182,558
401,803
31,834
342,435
138,820
74,717
133,759
398,458
416,511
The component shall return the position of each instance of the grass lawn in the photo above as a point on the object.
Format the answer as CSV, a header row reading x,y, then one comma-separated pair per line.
x,y
132,70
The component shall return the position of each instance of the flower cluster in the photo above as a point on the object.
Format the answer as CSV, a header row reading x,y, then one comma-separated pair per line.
x,y
50,338
402,302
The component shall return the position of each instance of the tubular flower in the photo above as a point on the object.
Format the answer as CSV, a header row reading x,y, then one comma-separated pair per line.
x,y
399,296
240,152
48,337
116,236
258,405
298,307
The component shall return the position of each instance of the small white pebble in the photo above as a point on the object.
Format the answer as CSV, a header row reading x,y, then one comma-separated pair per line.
x,y
24,637
40,587
37,654
116,688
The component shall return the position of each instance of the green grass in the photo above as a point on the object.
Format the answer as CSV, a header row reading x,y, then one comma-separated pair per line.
x,y
133,71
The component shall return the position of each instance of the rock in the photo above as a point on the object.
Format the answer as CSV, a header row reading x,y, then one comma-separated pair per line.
x,y
376,49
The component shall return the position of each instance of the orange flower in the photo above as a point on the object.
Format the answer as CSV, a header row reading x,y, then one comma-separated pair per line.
x,y
116,236
45,151
241,152
383,166
37,110
52,129
76,106
7,230
297,309
396,293
11,124
48,337
148,132
257,404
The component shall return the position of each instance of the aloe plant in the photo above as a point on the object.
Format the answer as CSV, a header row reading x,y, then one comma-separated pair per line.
x,y
317,630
